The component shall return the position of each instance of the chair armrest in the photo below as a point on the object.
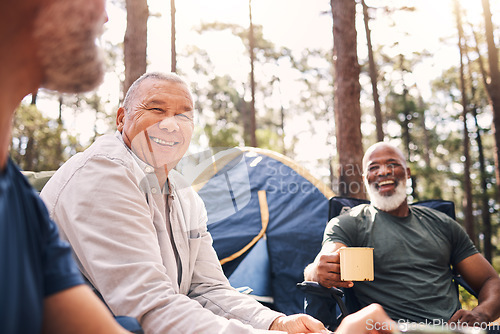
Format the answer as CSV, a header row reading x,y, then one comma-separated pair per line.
x,y
319,290
321,302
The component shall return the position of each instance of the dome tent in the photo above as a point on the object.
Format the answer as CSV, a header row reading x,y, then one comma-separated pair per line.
x,y
266,215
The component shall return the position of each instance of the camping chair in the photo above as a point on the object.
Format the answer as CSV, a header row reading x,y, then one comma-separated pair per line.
x,y
331,305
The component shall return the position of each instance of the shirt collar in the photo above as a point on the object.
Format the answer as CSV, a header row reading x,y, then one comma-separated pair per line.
x,y
149,171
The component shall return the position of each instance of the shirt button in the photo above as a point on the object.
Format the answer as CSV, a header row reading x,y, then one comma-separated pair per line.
x,y
148,169
153,190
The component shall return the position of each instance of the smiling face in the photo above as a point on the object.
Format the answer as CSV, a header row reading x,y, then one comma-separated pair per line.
x,y
159,123
385,178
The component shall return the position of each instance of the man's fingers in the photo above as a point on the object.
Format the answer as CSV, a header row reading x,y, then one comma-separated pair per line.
x,y
328,282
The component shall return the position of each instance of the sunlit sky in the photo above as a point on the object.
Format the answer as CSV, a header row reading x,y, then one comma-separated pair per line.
x,y
296,24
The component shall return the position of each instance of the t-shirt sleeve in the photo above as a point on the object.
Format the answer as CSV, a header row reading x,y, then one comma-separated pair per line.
x,y
341,229
59,270
462,246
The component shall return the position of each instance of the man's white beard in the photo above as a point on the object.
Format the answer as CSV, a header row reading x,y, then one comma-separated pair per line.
x,y
387,203
65,33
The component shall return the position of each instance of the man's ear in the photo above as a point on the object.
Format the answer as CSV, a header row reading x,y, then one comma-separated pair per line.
x,y
120,119
408,172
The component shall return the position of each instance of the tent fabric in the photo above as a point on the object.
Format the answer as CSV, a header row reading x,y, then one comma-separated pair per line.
x,y
237,188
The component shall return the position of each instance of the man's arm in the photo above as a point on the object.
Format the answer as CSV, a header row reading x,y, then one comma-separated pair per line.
x,y
326,267
481,276
77,310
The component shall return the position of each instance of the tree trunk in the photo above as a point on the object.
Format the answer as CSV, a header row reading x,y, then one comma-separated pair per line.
x,y
485,206
59,149
427,145
494,87
135,42
173,52
346,101
373,75
467,200
405,129
282,127
34,96
253,125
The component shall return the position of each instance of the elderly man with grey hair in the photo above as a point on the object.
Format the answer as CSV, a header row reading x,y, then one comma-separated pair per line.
x,y
414,248
139,231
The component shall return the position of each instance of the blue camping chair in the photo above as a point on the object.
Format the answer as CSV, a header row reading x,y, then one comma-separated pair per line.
x,y
331,305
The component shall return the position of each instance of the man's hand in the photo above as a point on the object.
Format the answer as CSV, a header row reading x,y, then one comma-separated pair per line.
x,y
328,271
298,323
471,318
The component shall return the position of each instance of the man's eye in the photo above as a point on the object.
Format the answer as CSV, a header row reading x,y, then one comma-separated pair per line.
x,y
186,116
373,168
156,110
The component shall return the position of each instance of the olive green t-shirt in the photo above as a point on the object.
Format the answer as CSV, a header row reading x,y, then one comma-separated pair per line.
x,y
412,258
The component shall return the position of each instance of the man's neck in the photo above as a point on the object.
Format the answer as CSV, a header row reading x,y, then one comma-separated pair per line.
x,y
162,175
401,211
20,75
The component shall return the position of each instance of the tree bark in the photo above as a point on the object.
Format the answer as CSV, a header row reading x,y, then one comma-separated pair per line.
x,y
346,101
135,41
173,52
253,125
34,96
485,205
373,75
493,87
427,145
467,200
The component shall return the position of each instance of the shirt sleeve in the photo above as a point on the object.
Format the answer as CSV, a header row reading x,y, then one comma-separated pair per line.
x,y
462,245
59,270
341,229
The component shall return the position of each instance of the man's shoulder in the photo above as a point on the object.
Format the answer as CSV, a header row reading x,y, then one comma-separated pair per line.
x,y
106,147
357,211
360,214
430,213
104,150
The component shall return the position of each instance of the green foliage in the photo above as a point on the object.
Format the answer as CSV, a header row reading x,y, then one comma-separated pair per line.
x,y
36,140
223,102
223,137
269,139
467,300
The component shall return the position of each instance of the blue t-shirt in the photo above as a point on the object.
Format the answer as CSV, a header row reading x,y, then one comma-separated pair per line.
x,y
34,262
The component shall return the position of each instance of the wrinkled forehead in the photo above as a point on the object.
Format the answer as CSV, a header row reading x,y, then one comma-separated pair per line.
x,y
158,90
382,153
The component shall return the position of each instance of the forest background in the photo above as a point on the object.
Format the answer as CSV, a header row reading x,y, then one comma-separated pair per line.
x,y
274,74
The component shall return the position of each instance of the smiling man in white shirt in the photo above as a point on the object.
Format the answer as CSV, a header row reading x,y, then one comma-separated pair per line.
x,y
139,231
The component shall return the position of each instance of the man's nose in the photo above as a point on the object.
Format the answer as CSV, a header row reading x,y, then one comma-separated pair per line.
x,y
384,170
169,124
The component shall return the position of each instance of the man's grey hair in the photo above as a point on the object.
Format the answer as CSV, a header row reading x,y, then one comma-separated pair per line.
x,y
171,77
376,146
